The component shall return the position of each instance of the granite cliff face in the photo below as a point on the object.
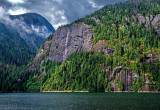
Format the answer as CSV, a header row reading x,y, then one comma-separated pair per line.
x,y
66,41
69,40
150,21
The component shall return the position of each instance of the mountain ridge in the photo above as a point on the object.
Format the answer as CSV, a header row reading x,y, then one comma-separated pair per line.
x,y
18,27
124,57
33,25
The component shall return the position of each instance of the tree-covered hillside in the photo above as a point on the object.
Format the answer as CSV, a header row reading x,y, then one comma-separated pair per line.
x,y
13,49
126,53
20,38
14,53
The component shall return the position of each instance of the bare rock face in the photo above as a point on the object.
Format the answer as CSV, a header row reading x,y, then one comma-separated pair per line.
x,y
38,60
66,41
156,23
100,47
152,58
151,20
96,20
141,19
69,40
126,77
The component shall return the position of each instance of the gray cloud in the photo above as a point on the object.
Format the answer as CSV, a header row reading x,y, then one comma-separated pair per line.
x,y
58,12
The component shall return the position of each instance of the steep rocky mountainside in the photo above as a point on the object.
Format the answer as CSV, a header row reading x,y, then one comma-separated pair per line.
x,y
65,42
114,49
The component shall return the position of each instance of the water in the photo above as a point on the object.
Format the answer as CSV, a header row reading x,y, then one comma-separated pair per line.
x,y
80,101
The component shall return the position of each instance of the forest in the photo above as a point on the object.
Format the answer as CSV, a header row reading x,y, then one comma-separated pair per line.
x,y
136,48
121,30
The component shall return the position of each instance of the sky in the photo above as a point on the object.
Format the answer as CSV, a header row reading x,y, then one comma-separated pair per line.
x,y
57,12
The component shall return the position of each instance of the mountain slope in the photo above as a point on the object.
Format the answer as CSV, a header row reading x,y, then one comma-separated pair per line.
x,y
33,28
124,54
13,49
21,36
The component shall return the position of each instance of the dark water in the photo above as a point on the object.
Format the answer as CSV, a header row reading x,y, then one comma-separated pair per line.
x,y
80,101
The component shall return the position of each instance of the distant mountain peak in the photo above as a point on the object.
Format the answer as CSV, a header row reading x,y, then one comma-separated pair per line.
x,y
31,31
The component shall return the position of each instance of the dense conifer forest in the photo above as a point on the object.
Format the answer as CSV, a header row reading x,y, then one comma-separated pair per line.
x,y
117,25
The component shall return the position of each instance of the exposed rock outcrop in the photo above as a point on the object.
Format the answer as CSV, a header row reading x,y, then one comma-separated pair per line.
x,y
66,41
149,84
96,20
69,40
126,77
152,58
100,47
150,20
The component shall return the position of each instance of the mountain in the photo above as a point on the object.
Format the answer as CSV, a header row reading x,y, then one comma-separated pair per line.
x,y
21,36
114,49
33,28
13,49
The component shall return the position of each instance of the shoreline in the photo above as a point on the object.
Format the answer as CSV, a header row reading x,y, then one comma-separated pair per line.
x,y
82,92
134,91
61,91
100,92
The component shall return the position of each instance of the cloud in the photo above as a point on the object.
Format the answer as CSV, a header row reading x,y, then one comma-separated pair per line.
x,y
59,1
61,17
16,23
17,11
2,12
17,1
57,12
4,16
93,4
40,30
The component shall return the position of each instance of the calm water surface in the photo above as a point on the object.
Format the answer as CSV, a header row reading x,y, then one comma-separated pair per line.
x,y
80,101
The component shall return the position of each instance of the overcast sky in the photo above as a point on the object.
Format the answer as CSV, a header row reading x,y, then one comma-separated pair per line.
x,y
57,12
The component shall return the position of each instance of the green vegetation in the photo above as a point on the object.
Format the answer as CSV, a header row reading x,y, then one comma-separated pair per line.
x,y
82,71
14,55
136,85
14,50
135,48
50,37
131,41
13,78
17,48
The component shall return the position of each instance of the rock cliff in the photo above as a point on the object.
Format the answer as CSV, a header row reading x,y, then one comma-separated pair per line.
x,y
150,20
66,41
